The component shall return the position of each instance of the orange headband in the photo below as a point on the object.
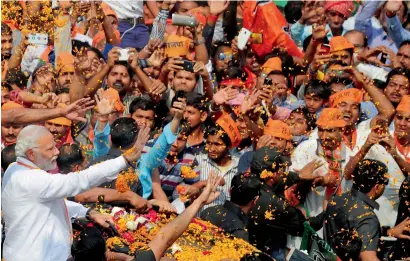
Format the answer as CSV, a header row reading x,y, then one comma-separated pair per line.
x,y
351,94
404,104
228,125
277,129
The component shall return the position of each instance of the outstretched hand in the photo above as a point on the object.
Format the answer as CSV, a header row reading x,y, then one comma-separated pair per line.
x,y
209,194
133,154
76,109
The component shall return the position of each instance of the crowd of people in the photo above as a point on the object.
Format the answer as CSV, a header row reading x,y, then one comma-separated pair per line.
x,y
268,119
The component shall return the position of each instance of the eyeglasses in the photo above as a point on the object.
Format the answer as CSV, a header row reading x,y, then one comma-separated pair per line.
x,y
224,56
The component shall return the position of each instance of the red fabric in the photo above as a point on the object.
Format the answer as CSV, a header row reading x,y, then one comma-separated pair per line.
x,y
68,139
250,79
14,96
267,20
344,7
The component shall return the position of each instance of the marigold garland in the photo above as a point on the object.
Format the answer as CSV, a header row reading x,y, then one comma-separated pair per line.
x,y
124,179
188,173
201,241
180,191
267,174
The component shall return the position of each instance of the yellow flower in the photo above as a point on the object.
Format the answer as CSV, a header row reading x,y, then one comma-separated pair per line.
x,y
188,173
267,174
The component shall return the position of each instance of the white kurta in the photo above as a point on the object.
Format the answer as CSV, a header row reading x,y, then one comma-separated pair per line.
x,y
37,220
389,201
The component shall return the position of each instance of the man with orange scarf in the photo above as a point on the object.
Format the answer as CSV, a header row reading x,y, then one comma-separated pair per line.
x,y
331,152
61,129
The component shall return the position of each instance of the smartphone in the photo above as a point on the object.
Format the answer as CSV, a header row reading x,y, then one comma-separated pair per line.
x,y
188,66
325,49
123,55
243,38
180,94
383,58
38,39
267,81
183,20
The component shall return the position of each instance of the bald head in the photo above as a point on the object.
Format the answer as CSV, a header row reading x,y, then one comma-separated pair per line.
x,y
358,39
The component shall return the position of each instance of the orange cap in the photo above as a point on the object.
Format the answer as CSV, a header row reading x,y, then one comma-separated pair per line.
x,y
61,121
228,125
177,46
199,16
112,95
277,129
65,62
11,105
351,94
331,118
404,104
272,64
339,43
108,10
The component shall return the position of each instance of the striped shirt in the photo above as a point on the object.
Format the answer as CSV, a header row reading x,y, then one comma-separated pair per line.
x,y
170,173
207,165
160,22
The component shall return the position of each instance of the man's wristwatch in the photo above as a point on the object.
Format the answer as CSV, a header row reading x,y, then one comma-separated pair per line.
x,y
87,215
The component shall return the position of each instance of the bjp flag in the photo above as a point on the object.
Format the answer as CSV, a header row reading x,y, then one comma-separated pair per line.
x,y
269,28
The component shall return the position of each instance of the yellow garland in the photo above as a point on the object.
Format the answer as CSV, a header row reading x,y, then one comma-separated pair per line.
x,y
267,174
124,179
188,173
200,242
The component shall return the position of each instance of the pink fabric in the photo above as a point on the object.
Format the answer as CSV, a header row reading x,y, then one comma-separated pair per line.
x,y
281,114
344,7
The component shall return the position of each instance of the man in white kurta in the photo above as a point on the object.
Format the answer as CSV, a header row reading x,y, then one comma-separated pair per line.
x,y
37,218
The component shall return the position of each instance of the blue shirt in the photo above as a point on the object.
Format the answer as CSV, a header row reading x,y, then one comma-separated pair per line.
x,y
376,35
101,141
396,31
148,161
300,32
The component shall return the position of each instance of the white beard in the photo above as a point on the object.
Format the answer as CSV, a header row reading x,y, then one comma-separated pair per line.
x,y
45,164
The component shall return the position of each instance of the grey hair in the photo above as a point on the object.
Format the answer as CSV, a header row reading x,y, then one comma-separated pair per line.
x,y
28,139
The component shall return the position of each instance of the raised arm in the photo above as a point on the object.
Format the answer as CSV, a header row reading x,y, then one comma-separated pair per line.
x,y
168,234
30,116
363,20
394,27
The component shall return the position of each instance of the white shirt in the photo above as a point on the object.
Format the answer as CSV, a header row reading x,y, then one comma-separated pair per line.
x,y
127,9
37,224
31,57
389,201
